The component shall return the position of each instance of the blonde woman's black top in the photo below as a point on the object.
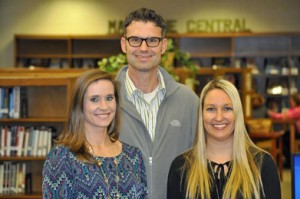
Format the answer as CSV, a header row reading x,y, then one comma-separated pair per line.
x,y
177,177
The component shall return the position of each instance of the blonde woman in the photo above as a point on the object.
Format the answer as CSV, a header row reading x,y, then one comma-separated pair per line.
x,y
223,162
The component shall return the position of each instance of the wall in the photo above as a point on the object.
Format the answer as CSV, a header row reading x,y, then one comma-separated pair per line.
x,y
92,16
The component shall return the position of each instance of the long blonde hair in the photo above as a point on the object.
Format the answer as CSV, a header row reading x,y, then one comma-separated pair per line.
x,y
245,178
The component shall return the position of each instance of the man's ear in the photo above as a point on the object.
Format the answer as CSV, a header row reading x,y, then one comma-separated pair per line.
x,y
164,45
123,44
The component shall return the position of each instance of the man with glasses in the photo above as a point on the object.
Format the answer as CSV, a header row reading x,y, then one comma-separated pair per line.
x,y
159,115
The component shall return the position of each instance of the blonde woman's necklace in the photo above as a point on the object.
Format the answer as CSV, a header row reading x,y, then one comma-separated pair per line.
x,y
214,178
220,173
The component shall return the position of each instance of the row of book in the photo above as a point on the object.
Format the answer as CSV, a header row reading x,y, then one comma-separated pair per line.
x,y
57,63
17,141
12,177
13,102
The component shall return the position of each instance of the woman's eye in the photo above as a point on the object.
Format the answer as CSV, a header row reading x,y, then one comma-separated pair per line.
x,y
228,108
94,99
109,98
210,109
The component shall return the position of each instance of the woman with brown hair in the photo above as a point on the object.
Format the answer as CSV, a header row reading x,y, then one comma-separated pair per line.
x,y
88,160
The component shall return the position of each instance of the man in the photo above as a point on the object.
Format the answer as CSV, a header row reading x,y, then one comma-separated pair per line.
x,y
159,115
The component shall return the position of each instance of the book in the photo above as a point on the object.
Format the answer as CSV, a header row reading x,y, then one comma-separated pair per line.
x,y
8,141
5,103
13,130
28,183
20,178
88,63
23,102
30,141
2,141
44,141
7,165
11,103
36,62
20,140
12,178
49,141
35,141
16,102
26,142
1,177
55,63
40,141
1,101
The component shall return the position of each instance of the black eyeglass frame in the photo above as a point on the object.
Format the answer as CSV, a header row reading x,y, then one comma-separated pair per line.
x,y
144,39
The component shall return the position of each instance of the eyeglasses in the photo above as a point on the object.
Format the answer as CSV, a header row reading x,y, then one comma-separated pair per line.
x,y
137,41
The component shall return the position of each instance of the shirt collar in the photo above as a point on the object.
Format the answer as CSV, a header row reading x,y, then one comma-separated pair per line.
x,y
132,90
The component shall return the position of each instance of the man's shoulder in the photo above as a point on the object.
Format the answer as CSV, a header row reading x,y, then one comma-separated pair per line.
x,y
186,92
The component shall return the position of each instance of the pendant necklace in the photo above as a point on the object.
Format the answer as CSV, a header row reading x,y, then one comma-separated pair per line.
x,y
105,177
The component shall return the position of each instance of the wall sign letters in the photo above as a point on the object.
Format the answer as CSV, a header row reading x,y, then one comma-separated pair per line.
x,y
193,26
216,26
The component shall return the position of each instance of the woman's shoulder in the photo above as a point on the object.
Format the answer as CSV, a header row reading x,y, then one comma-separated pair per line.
x,y
129,149
59,159
59,149
126,146
181,159
266,159
59,152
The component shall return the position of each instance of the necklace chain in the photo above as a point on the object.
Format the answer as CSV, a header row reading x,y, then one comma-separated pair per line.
x,y
106,178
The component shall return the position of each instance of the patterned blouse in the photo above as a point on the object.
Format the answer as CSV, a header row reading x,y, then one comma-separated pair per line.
x,y
122,176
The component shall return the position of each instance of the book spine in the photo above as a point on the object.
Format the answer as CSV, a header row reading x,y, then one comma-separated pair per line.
x,y
2,141
5,104
26,142
23,103
8,142
1,101
16,102
49,141
11,103
1,177
35,142
20,144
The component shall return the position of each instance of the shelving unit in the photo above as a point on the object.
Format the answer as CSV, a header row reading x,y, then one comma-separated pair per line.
x,y
204,48
251,50
241,77
48,93
64,51
276,57
232,50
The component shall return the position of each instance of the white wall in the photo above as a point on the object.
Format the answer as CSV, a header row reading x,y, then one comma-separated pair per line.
x,y
91,16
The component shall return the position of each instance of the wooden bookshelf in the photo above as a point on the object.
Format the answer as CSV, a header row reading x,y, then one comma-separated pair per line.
x,y
206,49
48,93
240,77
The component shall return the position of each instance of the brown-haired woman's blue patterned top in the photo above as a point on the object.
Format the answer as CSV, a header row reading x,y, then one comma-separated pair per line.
x,y
64,176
